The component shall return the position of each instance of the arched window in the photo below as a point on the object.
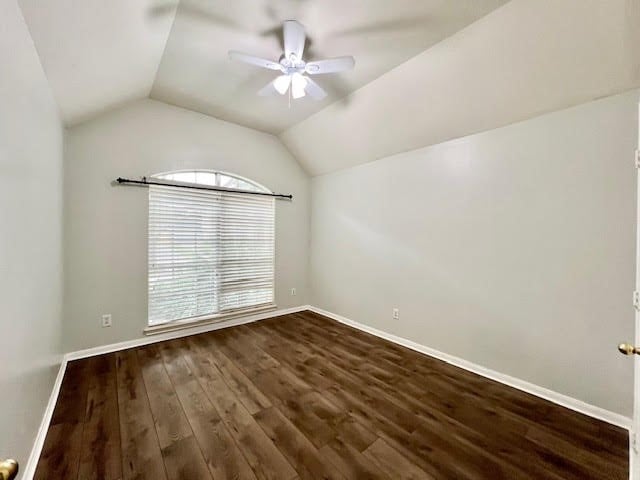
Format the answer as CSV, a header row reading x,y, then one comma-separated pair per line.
x,y
212,178
210,252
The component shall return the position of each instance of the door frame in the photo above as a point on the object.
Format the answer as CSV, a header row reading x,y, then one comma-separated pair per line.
x,y
634,448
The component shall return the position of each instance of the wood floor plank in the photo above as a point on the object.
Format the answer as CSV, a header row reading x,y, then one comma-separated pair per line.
x,y
172,356
100,457
182,456
430,448
60,457
351,462
302,397
262,455
184,461
72,401
355,433
393,463
371,419
313,416
141,455
250,396
300,452
169,419
245,353
62,449
221,454
297,356
280,384
582,457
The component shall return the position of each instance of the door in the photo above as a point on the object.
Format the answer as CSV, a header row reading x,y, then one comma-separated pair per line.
x,y
634,350
634,448
634,454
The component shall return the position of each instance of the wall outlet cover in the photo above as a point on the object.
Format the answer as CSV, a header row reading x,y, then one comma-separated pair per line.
x,y
106,320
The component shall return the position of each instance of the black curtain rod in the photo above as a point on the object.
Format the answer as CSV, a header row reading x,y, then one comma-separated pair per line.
x,y
145,182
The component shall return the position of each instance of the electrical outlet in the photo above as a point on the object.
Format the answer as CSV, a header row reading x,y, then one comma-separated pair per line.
x,y
106,320
396,314
293,292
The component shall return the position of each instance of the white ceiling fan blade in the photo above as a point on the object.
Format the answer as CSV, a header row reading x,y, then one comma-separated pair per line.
x,y
278,87
298,85
330,65
314,90
252,60
269,90
294,39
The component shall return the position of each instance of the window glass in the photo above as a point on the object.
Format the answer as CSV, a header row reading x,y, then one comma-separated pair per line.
x,y
214,179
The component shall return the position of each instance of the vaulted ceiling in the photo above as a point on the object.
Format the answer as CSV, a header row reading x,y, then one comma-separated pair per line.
x,y
426,70
524,59
98,54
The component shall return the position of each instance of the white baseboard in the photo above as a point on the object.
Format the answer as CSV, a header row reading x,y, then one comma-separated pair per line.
x,y
185,332
30,468
555,397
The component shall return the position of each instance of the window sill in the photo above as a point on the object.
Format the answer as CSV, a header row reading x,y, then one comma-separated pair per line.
x,y
205,320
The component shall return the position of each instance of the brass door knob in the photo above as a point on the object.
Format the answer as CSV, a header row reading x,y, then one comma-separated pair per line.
x,y
8,469
627,349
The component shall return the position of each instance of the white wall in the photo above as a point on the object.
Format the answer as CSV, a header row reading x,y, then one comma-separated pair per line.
x,y
512,248
106,226
525,58
30,237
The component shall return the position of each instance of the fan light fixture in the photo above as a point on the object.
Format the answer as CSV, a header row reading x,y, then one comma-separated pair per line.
x,y
293,68
298,84
282,83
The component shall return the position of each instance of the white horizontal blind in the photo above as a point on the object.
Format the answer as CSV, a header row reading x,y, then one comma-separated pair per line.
x,y
209,252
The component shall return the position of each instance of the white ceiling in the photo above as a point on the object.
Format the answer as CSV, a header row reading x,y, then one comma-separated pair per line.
x,y
195,72
524,59
99,54
426,70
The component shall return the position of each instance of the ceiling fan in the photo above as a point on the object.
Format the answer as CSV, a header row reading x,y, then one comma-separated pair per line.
x,y
293,68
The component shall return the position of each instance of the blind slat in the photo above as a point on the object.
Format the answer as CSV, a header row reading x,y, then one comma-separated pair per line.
x,y
208,252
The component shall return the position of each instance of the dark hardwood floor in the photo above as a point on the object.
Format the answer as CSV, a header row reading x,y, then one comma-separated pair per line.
x,y
303,397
